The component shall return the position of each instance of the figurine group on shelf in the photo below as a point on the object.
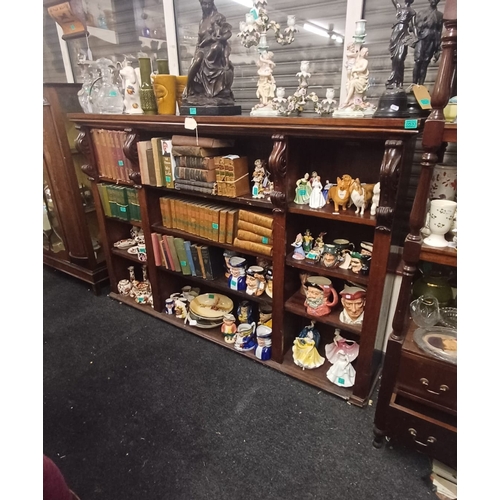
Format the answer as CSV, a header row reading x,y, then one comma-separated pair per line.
x,y
340,253
262,185
345,193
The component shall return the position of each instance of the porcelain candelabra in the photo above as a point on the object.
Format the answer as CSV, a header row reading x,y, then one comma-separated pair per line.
x,y
253,32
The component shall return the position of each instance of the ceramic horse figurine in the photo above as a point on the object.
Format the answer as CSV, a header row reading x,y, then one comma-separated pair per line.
x,y
361,195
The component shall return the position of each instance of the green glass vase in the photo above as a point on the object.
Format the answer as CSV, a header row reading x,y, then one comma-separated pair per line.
x,y
146,93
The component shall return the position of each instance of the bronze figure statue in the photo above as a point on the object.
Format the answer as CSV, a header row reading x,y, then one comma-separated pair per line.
x,y
211,73
429,25
402,36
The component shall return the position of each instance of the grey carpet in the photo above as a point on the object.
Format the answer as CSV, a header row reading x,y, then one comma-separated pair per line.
x,y
137,409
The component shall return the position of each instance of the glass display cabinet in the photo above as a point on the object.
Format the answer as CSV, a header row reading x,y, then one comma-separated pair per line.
x,y
71,239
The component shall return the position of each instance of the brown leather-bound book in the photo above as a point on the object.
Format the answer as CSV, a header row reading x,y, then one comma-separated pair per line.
x,y
206,163
222,225
204,142
254,247
195,174
252,236
196,151
254,218
252,227
231,222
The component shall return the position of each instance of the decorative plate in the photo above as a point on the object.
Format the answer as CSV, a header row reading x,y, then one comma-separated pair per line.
x,y
448,316
438,341
203,324
211,305
123,244
133,250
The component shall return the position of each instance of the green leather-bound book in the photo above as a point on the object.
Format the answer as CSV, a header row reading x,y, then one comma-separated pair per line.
x,y
183,258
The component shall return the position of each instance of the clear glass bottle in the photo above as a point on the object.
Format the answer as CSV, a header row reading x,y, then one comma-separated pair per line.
x,y
109,98
84,92
95,87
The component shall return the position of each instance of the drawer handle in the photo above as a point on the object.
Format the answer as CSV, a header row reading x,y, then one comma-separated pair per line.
x,y
442,388
430,439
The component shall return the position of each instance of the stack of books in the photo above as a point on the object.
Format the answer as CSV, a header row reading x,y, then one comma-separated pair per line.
x,y
204,219
254,232
119,201
194,162
190,259
111,161
231,173
156,162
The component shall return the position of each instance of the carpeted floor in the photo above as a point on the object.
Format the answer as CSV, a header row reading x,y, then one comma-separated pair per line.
x,y
135,409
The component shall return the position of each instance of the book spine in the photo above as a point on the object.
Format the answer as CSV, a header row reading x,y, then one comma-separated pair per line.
x,y
156,249
202,264
103,194
187,246
196,261
231,222
195,151
254,228
258,219
185,182
143,161
254,247
195,174
151,164
98,149
204,163
110,162
222,225
168,253
173,251
196,189
168,171
181,253
207,263
163,252
204,142
241,234
128,167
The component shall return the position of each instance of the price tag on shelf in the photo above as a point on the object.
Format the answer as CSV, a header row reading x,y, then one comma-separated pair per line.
x,y
191,124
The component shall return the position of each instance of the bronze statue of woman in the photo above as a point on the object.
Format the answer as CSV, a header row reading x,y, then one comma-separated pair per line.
x,y
402,35
211,73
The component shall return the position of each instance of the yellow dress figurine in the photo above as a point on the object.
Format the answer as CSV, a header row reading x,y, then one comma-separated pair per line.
x,y
304,349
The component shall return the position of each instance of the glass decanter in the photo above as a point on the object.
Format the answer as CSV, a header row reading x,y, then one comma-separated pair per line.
x,y
84,92
109,97
425,311
95,87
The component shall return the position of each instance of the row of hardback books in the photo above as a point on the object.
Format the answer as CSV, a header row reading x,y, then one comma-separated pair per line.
x,y
119,201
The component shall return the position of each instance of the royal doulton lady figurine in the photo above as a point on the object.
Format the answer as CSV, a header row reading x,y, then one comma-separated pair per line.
x,y
304,349
303,190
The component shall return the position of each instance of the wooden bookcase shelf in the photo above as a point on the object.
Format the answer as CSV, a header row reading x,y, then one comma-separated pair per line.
x,y
417,402
375,150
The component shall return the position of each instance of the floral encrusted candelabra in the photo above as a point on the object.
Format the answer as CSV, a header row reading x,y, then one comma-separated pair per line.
x,y
253,32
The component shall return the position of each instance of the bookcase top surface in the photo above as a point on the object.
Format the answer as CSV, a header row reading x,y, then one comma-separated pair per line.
x,y
252,125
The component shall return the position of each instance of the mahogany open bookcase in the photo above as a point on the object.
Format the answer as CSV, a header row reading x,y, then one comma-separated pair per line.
x,y
374,150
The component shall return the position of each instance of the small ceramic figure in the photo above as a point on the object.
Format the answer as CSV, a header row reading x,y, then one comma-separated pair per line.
x,y
245,312
304,349
169,305
375,198
307,241
317,199
131,84
340,344
326,106
298,252
228,328
340,193
326,188
342,373
255,281
357,261
353,300
266,315
280,102
331,257
244,339
227,255
263,349
237,279
303,190
317,296
258,177
319,244
269,281
124,287
361,195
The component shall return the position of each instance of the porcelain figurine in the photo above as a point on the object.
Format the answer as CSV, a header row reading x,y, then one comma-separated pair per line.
x,y
307,241
263,349
237,280
245,312
340,193
169,305
375,198
319,244
342,373
131,84
304,349
255,281
326,106
303,190
317,295
245,337
227,255
298,250
317,199
266,315
331,257
326,188
357,262
353,299
228,328
269,282
361,195
124,287
333,351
